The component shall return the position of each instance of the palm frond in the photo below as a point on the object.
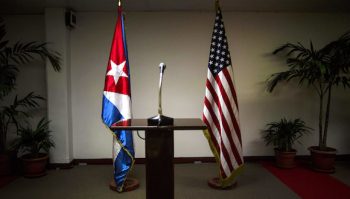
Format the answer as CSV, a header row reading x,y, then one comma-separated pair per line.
x,y
28,101
11,56
8,76
322,68
284,133
23,53
34,140
16,110
279,77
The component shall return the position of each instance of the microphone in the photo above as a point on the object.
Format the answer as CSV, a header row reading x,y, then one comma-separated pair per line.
x,y
162,67
160,119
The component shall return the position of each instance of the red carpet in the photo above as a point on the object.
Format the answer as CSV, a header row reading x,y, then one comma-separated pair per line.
x,y
309,184
4,180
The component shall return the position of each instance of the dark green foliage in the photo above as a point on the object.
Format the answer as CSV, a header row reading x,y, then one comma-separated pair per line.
x,y
34,140
285,133
9,114
19,54
322,69
12,57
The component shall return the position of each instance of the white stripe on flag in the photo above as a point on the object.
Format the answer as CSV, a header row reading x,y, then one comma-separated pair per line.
x,y
227,88
222,136
122,102
213,128
224,164
227,117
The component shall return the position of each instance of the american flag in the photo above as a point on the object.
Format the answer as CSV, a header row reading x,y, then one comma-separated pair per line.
x,y
220,112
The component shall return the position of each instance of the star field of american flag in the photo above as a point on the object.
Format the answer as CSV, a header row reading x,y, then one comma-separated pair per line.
x,y
219,54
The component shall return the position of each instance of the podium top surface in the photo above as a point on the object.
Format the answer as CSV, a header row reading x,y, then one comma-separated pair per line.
x,y
179,124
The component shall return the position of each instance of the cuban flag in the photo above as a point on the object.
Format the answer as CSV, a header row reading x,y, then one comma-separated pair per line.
x,y
116,103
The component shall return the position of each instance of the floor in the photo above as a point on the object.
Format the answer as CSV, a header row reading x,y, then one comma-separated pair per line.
x,y
91,181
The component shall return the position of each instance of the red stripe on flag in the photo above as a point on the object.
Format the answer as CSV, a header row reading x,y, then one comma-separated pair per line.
x,y
230,83
225,125
226,156
218,149
215,143
233,91
224,122
222,146
212,114
213,93
227,102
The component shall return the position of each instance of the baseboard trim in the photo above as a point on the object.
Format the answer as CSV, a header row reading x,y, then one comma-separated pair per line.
x,y
93,161
178,160
61,165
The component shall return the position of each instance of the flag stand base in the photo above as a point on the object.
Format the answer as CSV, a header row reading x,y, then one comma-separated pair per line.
x,y
130,185
215,184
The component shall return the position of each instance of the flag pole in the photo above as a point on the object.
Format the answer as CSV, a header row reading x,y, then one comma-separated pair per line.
x,y
217,5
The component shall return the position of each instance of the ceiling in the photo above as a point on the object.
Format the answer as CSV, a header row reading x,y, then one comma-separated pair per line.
x,y
37,6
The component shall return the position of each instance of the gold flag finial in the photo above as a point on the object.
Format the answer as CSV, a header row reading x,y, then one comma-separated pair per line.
x,y
119,3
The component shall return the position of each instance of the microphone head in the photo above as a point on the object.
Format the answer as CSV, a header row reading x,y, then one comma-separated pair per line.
x,y
162,67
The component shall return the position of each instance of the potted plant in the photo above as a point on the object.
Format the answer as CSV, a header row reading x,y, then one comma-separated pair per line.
x,y
12,56
282,135
33,142
322,69
9,119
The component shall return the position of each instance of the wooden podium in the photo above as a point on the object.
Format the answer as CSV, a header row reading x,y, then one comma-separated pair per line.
x,y
160,152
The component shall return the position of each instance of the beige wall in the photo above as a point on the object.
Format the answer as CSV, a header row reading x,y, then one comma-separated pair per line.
x,y
181,40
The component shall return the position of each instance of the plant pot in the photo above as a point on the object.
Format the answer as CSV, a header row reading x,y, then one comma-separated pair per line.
x,y
285,160
8,163
323,161
34,167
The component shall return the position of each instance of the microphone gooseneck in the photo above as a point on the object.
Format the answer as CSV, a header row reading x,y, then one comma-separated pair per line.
x,y
162,67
